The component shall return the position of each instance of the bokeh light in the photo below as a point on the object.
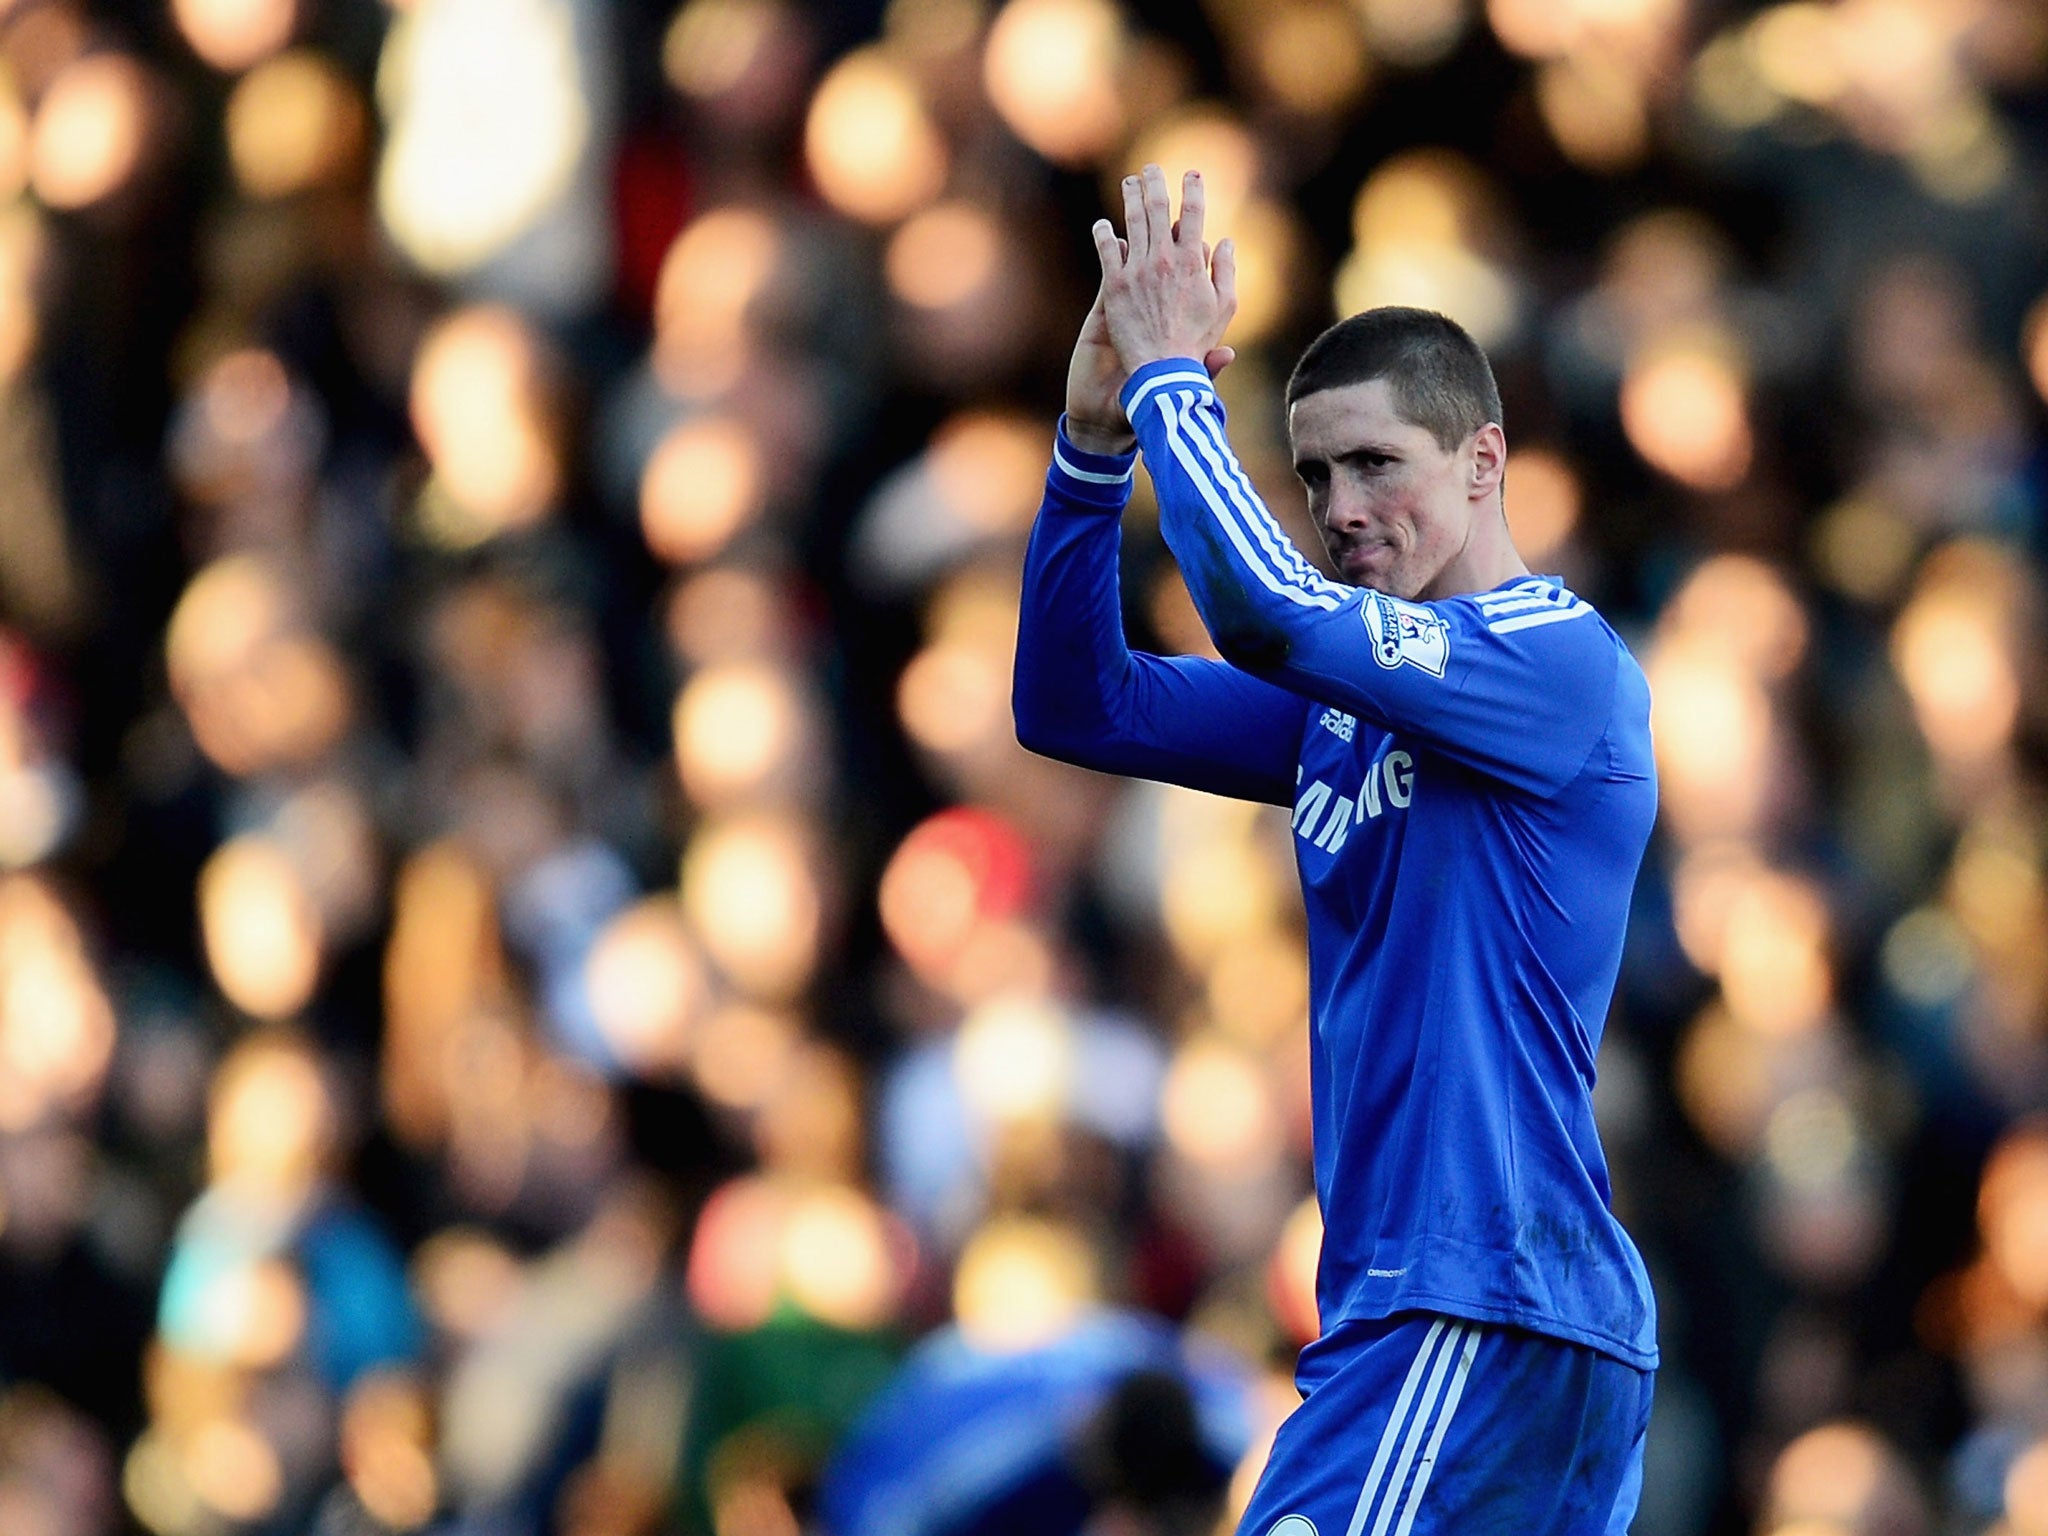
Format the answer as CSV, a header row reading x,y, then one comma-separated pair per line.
x,y
1293,1278
1218,1108
2012,1212
387,1446
872,146
752,892
234,1469
483,406
91,131
704,483
735,1257
743,1054
711,45
1684,405
258,689
1204,137
1218,884
1746,609
1051,70
1271,251
1712,724
231,35
21,268
1772,956
271,1120
1257,988
294,123
487,123
1014,1057
710,280
468,1283
956,871
1312,56
1413,33
1543,502
648,987
2026,1491
1429,234
810,1125
1954,650
1022,1282
1595,108
944,256
954,695
738,731
1840,1476
729,614
14,141
263,934
826,1249
841,1259
56,1021
2034,346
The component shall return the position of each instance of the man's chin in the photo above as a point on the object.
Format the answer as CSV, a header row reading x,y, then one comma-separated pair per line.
x,y
1363,570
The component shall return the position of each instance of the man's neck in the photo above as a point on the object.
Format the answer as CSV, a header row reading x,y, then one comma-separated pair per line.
x,y
1488,559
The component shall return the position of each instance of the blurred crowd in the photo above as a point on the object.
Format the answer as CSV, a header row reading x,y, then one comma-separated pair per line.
x,y
538,992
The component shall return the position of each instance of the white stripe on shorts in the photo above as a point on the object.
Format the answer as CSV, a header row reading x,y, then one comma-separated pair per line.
x,y
1458,1379
1435,1363
1392,1434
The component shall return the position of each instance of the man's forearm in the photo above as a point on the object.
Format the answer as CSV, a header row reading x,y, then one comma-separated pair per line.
x,y
1071,652
1249,582
1083,696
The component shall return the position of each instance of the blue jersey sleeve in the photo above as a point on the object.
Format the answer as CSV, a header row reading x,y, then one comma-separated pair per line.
x,y
1082,695
1518,682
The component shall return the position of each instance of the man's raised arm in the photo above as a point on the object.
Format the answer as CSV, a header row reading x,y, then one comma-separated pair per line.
x,y
1080,693
1500,679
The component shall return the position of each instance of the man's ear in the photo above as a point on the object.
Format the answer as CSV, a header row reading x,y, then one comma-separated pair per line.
x,y
1489,459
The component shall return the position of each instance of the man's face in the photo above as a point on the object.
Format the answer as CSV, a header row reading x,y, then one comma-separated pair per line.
x,y
1394,508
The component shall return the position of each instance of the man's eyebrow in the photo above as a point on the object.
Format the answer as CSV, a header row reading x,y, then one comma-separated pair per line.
x,y
1342,455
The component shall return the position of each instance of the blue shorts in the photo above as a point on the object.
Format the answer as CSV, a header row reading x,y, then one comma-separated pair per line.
x,y
1436,1426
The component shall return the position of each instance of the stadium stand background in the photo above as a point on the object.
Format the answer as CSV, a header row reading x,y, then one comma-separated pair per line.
x,y
531,964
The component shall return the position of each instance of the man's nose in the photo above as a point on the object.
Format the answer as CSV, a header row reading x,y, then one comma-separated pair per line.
x,y
1343,509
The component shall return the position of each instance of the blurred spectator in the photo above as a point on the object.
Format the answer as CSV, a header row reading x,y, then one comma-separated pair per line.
x,y
1108,1426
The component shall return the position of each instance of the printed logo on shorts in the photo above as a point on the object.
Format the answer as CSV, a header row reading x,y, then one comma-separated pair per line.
x,y
1293,1525
1406,633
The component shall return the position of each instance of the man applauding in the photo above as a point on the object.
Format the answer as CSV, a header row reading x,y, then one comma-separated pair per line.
x,y
1466,750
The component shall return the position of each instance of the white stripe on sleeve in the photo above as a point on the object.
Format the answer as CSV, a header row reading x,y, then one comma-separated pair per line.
x,y
1093,476
1521,605
1532,620
1535,586
1177,439
1160,381
1229,473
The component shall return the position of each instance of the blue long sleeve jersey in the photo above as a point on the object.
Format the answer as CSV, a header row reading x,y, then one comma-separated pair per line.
x,y
1472,789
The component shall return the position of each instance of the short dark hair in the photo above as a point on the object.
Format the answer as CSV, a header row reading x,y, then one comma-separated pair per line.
x,y
1438,375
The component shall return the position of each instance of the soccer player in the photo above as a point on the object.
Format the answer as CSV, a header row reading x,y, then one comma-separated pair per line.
x,y
1466,750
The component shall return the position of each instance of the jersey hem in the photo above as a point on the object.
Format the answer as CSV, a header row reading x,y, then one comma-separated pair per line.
x,y
1532,1322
